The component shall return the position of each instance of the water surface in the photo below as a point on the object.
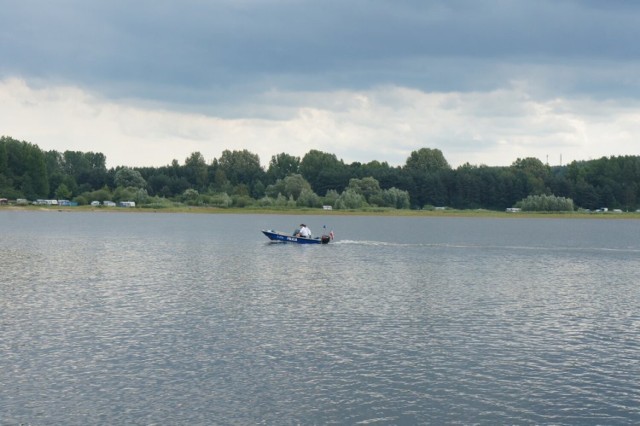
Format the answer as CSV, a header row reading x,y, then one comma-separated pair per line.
x,y
156,318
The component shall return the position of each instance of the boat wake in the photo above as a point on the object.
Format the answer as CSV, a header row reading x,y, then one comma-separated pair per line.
x,y
384,243
488,247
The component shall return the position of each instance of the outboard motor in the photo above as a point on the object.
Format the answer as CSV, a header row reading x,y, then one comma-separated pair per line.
x,y
325,239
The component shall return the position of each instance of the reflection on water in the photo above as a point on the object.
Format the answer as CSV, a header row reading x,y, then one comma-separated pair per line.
x,y
174,319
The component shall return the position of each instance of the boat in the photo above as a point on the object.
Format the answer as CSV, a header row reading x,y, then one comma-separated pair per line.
x,y
281,237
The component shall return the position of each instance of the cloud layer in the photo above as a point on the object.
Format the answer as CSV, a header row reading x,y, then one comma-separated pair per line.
x,y
384,124
484,81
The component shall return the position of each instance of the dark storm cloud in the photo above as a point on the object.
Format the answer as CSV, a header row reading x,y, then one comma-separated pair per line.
x,y
211,51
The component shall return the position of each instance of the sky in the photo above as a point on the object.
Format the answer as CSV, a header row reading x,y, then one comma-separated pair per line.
x,y
486,82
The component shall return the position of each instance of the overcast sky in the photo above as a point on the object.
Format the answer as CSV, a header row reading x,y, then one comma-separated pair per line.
x,y
486,82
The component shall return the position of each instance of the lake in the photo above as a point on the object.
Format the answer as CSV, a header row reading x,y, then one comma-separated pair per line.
x,y
157,318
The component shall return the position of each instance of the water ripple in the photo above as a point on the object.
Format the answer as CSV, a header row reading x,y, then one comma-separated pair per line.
x,y
162,319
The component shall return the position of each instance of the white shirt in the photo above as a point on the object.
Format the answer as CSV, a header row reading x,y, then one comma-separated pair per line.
x,y
305,232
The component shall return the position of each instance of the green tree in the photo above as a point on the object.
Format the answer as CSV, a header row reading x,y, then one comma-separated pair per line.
x,y
159,184
127,177
76,164
308,198
196,170
62,192
220,182
37,170
368,187
324,171
426,170
294,185
586,195
290,186
426,160
4,159
96,176
331,197
240,166
536,174
281,166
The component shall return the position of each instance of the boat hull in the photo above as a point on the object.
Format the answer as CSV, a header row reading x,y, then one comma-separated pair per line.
x,y
281,237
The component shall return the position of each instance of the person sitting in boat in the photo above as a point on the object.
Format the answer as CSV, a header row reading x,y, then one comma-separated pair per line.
x,y
304,231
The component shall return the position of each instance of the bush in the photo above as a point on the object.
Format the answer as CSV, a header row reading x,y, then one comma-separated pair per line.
x,y
308,198
546,203
221,199
125,194
191,197
159,203
242,201
101,195
81,200
331,197
266,201
350,199
394,197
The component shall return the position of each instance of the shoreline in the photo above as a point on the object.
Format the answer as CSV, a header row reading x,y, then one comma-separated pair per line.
x,y
320,212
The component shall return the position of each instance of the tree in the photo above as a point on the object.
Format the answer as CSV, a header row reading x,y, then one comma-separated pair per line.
x,y
426,160
290,186
294,185
240,167
466,191
308,198
196,170
281,166
96,176
324,171
537,174
159,185
37,170
62,192
75,163
331,197
4,159
127,177
220,183
394,197
586,195
425,170
350,199
368,187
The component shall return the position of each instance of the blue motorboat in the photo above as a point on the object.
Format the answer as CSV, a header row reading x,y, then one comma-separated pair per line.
x,y
281,237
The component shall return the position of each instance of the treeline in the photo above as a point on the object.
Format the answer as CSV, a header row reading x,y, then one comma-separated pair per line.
x,y
238,179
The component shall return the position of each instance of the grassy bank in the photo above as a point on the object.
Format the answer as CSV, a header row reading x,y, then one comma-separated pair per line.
x,y
309,211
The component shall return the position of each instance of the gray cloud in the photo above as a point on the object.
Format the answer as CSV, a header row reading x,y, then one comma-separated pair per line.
x,y
486,81
209,52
